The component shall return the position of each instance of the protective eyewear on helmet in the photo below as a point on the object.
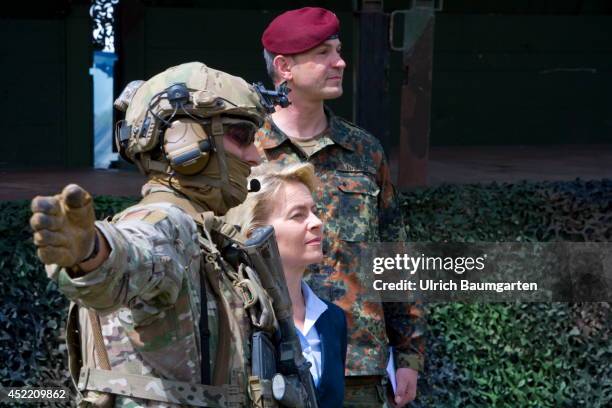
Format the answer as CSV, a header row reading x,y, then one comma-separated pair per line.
x,y
241,131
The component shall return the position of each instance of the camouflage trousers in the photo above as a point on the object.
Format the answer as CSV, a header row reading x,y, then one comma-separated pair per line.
x,y
366,392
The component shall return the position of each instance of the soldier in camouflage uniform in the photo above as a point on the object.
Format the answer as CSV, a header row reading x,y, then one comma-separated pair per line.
x,y
140,279
356,201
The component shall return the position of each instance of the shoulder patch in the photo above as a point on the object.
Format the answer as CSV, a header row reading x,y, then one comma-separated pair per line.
x,y
148,216
154,217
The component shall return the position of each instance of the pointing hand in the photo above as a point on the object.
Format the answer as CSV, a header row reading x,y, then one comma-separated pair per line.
x,y
63,226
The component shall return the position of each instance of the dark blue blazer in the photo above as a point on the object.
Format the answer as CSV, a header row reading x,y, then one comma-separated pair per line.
x,y
331,326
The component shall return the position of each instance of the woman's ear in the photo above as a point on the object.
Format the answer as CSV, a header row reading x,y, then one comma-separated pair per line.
x,y
282,65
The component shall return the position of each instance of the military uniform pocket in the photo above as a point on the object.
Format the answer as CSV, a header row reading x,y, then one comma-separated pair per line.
x,y
358,206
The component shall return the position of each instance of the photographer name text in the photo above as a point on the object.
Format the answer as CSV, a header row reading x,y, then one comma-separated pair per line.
x,y
450,285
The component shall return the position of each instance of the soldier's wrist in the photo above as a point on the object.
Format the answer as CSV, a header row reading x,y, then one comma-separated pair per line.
x,y
95,250
80,269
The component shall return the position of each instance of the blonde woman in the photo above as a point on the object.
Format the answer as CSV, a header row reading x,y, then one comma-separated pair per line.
x,y
285,202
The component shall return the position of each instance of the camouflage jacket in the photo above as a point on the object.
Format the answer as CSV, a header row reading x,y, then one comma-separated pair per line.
x,y
147,295
358,204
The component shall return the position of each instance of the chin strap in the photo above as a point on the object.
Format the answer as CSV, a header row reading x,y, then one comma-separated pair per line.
x,y
218,133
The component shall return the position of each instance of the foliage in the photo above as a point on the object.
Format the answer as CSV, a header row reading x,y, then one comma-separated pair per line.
x,y
478,355
32,312
555,211
515,354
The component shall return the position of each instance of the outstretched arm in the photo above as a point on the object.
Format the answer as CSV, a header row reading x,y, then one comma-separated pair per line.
x,y
142,254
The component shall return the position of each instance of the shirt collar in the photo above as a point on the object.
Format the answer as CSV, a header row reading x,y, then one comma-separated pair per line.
x,y
339,132
314,308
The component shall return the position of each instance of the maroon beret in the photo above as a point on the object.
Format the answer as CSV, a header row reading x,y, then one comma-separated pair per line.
x,y
299,30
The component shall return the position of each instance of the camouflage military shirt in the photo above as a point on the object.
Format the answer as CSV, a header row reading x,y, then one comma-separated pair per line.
x,y
147,294
358,204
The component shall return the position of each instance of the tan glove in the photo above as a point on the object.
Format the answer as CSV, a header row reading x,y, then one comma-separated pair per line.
x,y
63,226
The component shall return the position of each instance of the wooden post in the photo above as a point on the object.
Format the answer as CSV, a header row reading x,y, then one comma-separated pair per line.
x,y
416,112
372,96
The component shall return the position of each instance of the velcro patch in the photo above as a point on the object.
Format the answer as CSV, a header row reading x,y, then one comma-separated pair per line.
x,y
154,217
148,216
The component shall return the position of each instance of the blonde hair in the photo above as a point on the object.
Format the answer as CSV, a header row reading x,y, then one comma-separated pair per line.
x,y
257,207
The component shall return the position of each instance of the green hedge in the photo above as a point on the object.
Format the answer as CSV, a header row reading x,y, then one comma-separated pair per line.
x,y
480,355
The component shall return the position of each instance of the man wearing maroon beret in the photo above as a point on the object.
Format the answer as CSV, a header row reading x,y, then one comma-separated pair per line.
x,y
356,201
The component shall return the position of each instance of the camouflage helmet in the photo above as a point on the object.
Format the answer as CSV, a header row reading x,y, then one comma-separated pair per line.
x,y
192,90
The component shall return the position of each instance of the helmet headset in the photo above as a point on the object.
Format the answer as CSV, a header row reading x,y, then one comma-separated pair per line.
x,y
175,128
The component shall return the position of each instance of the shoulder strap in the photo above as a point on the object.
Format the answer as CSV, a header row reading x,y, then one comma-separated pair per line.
x,y
206,219
222,359
105,400
74,331
99,347
204,336
168,197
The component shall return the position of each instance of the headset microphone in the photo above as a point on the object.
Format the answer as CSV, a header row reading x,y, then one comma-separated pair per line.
x,y
254,186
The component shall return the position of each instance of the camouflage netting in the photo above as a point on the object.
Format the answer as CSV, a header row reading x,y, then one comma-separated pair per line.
x,y
481,355
520,354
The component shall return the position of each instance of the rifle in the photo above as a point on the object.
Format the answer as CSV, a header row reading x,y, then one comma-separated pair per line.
x,y
292,384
